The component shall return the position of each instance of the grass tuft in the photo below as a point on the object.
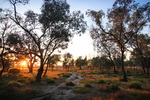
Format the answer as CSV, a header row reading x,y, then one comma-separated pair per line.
x,y
69,83
134,85
82,90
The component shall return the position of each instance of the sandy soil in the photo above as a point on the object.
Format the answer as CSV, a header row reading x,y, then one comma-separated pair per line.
x,y
61,92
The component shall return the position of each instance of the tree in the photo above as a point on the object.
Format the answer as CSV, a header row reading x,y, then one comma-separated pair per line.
x,y
80,62
29,51
3,30
67,60
95,62
141,50
125,19
101,62
106,48
57,26
9,39
51,62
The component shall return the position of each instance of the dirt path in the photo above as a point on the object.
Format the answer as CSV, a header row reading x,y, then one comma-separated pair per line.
x,y
61,92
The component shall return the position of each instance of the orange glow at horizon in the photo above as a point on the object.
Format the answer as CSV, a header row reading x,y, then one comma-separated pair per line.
x,y
23,63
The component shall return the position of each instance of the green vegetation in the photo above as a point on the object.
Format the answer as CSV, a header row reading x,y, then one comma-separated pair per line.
x,y
134,85
88,85
100,81
50,81
112,87
69,83
31,40
82,90
64,75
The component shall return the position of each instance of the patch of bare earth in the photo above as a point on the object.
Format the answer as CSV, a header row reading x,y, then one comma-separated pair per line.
x,y
61,92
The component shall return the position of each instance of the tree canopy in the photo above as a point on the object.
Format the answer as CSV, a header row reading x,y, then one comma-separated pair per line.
x,y
57,25
125,19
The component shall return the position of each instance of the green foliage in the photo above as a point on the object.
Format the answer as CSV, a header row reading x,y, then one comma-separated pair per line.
x,y
69,83
82,90
100,81
101,62
13,39
88,85
121,78
20,94
50,81
87,81
14,84
32,80
112,87
14,71
66,75
134,85
81,62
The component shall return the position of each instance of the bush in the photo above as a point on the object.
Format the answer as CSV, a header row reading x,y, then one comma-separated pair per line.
x,y
13,86
112,87
134,85
82,90
121,78
50,81
100,81
31,80
64,75
69,83
14,71
102,88
88,85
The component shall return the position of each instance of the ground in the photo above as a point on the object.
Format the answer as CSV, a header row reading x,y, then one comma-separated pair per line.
x,y
87,84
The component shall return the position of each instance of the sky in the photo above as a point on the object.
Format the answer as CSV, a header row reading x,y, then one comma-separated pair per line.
x,y
80,45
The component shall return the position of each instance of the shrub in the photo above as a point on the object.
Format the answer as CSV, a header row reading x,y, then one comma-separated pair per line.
x,y
134,85
21,80
112,87
31,80
50,81
100,81
66,75
54,78
88,85
121,78
14,71
102,88
13,86
82,90
69,83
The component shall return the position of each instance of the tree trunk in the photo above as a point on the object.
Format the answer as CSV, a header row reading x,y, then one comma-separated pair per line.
x,y
114,69
146,64
1,72
45,71
147,72
68,68
3,64
40,72
143,66
80,68
30,68
113,64
122,65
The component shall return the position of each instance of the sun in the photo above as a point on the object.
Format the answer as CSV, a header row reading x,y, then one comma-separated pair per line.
x,y
23,63
59,63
